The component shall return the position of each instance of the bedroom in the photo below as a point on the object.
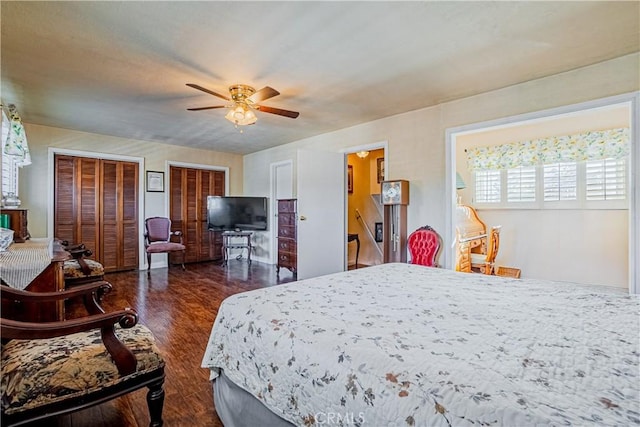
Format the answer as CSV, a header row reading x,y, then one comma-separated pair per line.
x,y
416,139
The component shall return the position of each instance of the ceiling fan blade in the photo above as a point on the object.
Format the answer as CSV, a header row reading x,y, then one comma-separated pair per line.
x,y
278,111
264,93
205,108
210,92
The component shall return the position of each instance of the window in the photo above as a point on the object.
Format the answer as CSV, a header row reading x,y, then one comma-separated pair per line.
x,y
585,170
561,185
560,181
606,179
487,184
521,184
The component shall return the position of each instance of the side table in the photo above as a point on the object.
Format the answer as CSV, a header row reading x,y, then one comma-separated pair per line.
x,y
236,240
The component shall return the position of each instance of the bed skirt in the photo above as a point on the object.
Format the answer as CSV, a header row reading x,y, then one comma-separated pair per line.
x,y
238,408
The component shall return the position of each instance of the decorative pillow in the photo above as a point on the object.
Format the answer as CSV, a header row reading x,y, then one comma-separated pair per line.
x,y
42,371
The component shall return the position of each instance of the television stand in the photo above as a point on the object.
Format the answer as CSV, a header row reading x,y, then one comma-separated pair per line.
x,y
241,240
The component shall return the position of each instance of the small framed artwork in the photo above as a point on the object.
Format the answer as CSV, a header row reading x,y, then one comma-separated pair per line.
x,y
380,169
155,181
350,178
378,232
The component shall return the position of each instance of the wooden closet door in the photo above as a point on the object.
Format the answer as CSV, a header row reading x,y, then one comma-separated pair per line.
x,y
119,215
77,201
212,184
189,189
96,203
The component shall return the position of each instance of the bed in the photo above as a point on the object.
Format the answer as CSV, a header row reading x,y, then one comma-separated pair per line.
x,y
400,344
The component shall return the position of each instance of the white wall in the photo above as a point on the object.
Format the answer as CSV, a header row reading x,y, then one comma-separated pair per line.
x,y
416,140
34,179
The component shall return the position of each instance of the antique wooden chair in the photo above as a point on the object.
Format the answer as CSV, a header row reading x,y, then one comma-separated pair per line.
x,y
157,239
424,244
484,263
54,368
80,268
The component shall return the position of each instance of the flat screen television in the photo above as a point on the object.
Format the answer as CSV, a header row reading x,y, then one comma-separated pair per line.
x,y
236,213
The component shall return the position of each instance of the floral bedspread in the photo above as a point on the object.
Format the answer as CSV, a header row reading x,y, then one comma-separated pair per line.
x,y
399,344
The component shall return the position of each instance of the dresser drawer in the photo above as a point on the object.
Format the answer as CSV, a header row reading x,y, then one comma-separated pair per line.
x,y
286,245
287,206
286,259
286,219
286,231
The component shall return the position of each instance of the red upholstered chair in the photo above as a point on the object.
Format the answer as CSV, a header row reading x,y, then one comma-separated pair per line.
x,y
157,239
424,244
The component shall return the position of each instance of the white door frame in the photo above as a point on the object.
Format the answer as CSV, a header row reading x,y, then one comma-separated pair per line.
x,y
633,99
380,145
96,155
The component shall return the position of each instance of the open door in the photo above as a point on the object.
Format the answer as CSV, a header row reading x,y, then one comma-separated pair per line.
x,y
321,213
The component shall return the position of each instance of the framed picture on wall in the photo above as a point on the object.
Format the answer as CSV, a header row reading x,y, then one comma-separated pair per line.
x,y
380,169
350,178
378,232
155,181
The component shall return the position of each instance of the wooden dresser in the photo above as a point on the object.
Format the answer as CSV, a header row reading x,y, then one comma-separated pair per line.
x,y
287,235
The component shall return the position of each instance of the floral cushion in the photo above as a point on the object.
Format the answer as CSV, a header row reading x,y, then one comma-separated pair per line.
x,y
42,371
73,270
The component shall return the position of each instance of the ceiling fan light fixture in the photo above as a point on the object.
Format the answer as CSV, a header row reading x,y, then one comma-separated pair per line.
x,y
241,116
244,100
238,113
362,154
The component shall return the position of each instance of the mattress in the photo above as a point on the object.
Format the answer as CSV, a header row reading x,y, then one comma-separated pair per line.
x,y
400,344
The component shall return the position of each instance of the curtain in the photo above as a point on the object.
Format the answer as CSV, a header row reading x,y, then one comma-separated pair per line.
x,y
15,143
593,145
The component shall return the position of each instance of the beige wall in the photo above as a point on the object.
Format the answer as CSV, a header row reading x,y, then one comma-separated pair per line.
x,y
34,179
416,140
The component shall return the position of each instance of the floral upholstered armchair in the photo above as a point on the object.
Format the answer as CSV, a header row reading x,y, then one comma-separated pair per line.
x,y
55,368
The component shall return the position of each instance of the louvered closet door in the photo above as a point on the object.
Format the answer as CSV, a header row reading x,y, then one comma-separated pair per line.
x,y
76,210
212,184
189,189
96,203
119,225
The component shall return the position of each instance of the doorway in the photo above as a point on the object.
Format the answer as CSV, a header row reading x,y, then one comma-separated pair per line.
x,y
628,233
364,215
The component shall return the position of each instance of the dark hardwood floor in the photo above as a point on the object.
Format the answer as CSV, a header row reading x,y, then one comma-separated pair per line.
x,y
179,307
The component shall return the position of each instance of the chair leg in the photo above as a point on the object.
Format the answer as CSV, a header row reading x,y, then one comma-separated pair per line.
x,y
183,257
148,263
155,402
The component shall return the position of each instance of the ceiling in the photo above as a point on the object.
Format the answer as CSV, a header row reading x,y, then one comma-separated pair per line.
x,y
120,68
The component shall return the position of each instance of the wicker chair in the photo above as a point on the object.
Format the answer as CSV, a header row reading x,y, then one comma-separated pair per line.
x,y
424,244
54,368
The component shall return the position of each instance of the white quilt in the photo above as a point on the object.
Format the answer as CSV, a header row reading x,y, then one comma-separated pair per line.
x,y
405,345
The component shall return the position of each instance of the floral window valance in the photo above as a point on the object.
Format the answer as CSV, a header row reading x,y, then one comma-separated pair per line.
x,y
594,145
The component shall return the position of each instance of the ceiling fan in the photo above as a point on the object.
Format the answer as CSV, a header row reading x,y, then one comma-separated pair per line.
x,y
244,99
